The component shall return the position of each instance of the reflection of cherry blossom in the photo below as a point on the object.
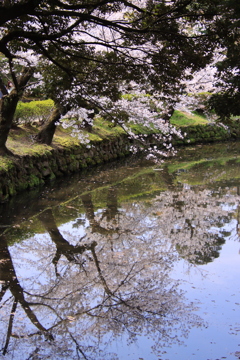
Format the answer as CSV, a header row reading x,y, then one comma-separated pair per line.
x,y
107,273
119,287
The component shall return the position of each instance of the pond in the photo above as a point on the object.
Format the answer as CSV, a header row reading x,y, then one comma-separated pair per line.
x,y
130,261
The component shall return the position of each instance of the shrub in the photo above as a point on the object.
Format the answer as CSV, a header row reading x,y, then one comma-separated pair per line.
x,y
33,111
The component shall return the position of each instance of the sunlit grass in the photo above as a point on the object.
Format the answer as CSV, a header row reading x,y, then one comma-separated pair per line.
x,y
180,118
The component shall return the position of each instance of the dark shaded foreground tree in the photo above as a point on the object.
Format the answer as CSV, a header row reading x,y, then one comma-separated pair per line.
x,y
8,104
226,102
103,46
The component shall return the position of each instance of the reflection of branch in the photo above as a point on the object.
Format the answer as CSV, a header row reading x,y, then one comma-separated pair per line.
x,y
33,354
3,291
9,277
77,345
105,285
10,325
62,245
126,277
108,291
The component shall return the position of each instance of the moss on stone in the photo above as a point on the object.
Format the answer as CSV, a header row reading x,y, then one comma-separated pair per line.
x,y
6,163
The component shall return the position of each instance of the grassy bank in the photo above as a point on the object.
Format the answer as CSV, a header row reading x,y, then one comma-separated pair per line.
x,y
21,138
35,164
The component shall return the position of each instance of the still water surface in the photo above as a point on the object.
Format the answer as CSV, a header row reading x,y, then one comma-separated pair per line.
x,y
131,261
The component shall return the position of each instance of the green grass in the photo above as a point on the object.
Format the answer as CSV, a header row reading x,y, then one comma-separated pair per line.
x,y
105,129
180,118
20,142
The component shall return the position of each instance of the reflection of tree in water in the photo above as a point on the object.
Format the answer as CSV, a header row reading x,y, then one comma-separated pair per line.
x,y
193,220
119,288
207,254
114,280
110,212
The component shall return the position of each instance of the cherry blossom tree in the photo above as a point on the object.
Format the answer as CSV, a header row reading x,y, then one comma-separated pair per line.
x,y
227,99
103,48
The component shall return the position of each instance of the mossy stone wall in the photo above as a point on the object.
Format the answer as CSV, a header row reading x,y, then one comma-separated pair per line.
x,y
206,134
29,171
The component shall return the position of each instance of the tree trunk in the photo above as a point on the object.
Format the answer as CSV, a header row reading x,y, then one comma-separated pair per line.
x,y
8,105
47,132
